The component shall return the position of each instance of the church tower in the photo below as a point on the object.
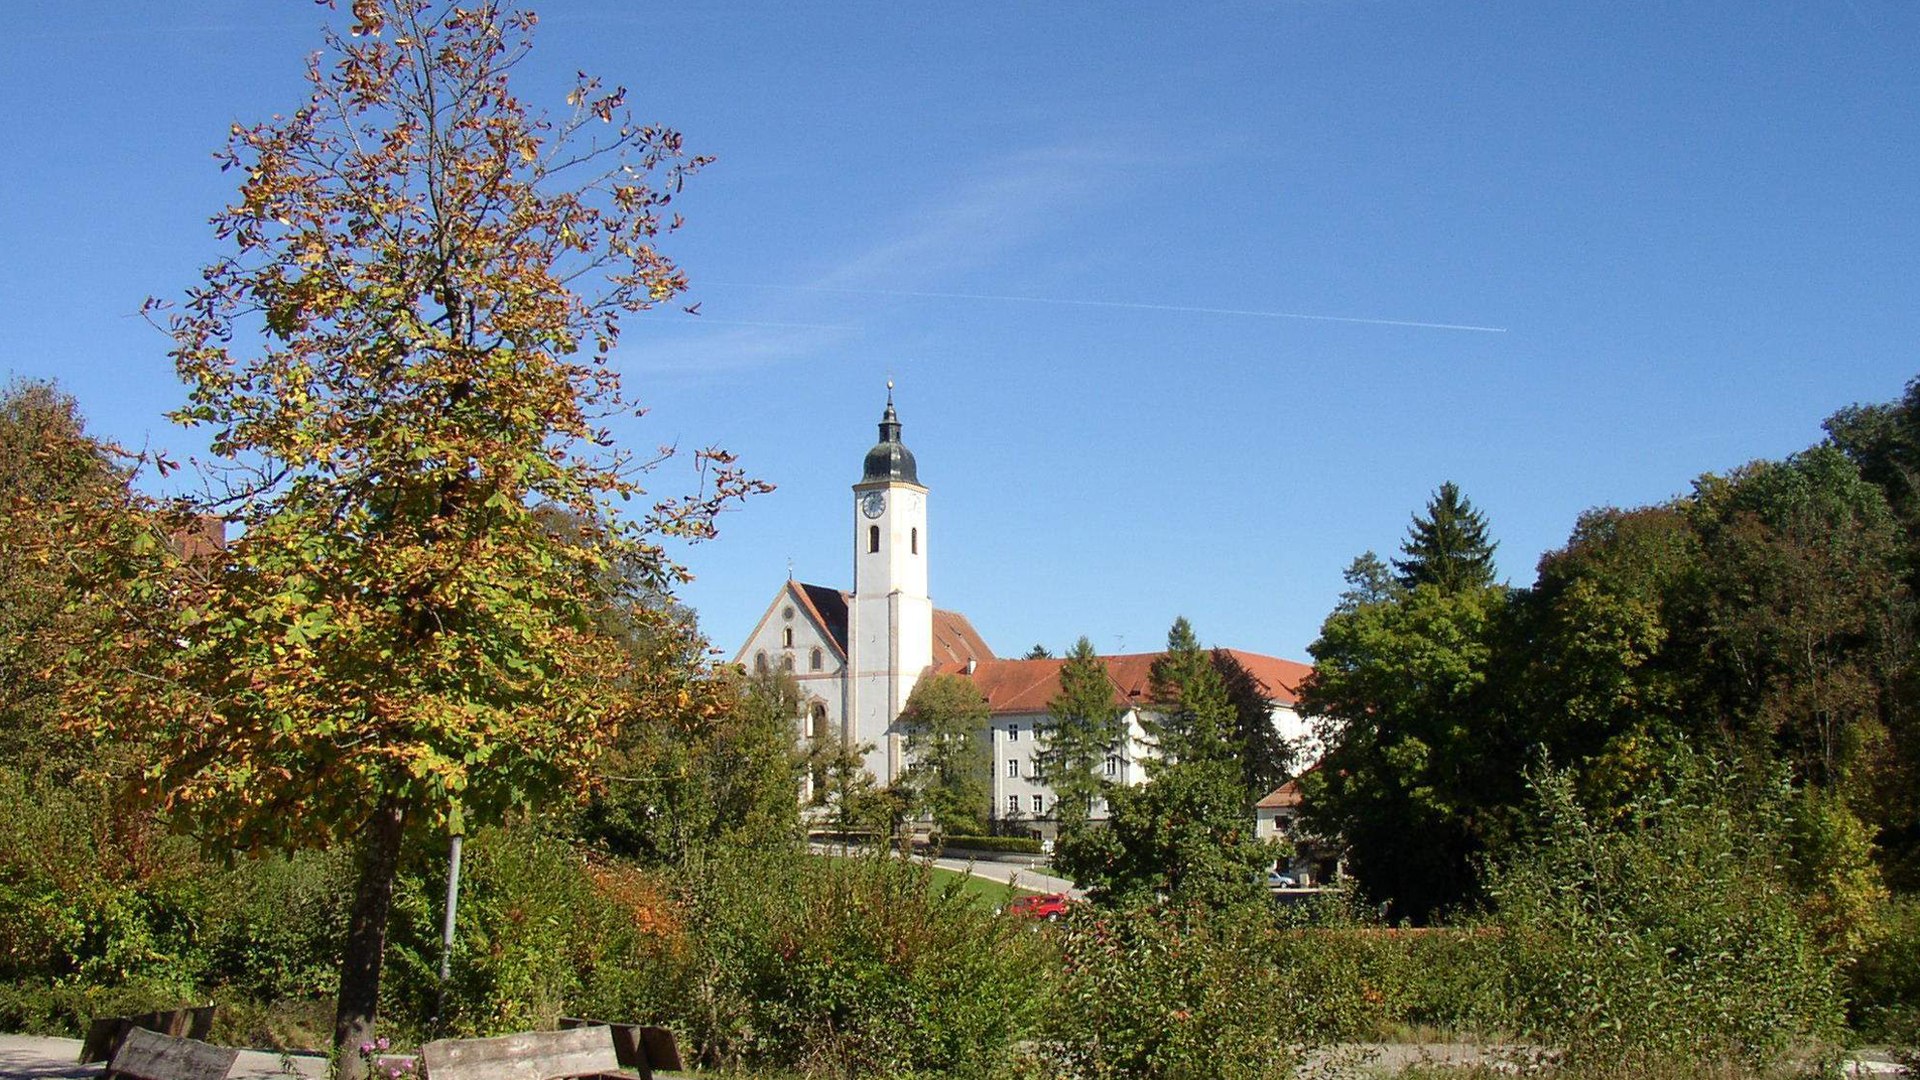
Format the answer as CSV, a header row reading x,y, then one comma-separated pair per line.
x,y
890,622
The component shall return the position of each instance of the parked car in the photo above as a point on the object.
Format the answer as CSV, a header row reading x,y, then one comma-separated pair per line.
x,y
1048,906
1278,880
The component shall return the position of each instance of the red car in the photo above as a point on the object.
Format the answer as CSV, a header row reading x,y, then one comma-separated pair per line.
x,y
1048,906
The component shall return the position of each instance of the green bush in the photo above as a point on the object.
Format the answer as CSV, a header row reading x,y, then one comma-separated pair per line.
x,y
853,967
1358,982
1192,994
1883,981
1024,845
1671,935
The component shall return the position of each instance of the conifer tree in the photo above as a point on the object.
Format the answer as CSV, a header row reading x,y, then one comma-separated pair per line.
x,y
1087,726
1447,546
1195,720
1186,834
1265,757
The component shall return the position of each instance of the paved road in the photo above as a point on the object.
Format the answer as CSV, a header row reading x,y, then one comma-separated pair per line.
x,y
1002,872
1019,876
33,1057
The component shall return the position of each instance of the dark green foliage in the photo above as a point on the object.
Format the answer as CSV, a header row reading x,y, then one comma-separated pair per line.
x,y
1447,547
1189,996
1038,652
855,967
1186,834
946,721
1883,979
1420,762
1025,845
729,779
855,804
1265,758
1087,724
1671,935
1192,719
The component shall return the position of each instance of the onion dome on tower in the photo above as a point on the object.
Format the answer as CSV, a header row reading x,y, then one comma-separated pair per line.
x,y
890,459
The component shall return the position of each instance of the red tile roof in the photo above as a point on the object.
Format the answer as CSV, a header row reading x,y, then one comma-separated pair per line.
x,y
1284,797
1026,686
955,641
206,536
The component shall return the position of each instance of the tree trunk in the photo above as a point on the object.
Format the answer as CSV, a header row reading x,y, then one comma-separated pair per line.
x,y
366,943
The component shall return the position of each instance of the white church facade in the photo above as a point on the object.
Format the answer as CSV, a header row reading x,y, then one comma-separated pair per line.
x,y
857,655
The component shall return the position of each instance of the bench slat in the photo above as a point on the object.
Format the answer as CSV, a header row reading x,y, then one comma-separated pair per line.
x,y
531,1055
639,1046
105,1033
146,1055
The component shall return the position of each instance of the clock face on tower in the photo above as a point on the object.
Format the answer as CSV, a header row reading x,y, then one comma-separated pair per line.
x,y
873,503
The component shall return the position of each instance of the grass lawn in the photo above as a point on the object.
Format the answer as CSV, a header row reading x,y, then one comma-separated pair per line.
x,y
986,890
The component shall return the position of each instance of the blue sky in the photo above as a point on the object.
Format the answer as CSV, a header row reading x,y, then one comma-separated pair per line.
x,y
1075,234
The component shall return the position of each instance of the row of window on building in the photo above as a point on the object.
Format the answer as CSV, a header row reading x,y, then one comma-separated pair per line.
x,y
1034,771
816,660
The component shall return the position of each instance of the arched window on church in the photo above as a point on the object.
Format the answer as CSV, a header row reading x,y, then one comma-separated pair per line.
x,y
873,538
786,637
915,549
817,727
786,662
760,663
818,660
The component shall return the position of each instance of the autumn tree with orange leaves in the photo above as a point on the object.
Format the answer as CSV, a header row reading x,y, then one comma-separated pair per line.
x,y
403,359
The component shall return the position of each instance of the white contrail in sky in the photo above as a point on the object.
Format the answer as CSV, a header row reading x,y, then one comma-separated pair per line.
x,y
1116,304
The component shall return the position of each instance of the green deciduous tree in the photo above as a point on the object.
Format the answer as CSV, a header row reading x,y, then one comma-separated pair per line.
x,y
724,775
403,363
58,486
855,802
1447,546
1086,725
946,721
1420,766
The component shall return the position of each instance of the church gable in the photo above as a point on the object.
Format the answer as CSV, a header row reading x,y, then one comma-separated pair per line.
x,y
793,635
829,610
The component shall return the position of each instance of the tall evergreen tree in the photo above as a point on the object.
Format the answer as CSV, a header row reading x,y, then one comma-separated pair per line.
x,y
1185,835
1087,726
1265,757
1447,546
1194,720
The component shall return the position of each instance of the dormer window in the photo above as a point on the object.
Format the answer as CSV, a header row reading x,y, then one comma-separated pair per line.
x,y
873,538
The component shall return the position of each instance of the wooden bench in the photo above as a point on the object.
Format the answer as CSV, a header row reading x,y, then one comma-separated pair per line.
x,y
147,1055
640,1047
530,1055
105,1034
